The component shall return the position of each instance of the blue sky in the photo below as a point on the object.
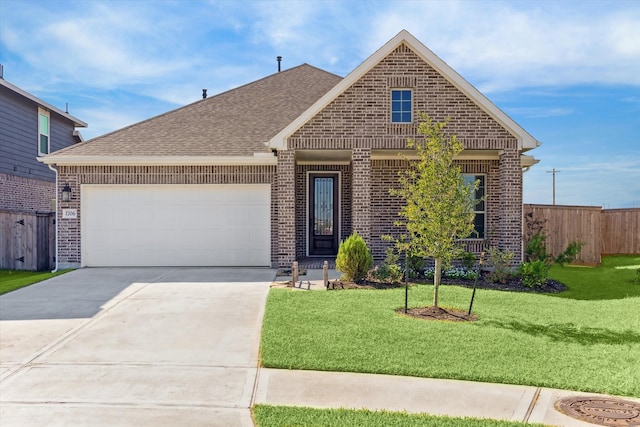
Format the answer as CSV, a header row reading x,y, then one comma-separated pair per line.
x,y
568,72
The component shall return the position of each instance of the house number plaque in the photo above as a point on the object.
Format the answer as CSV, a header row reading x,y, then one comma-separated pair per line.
x,y
69,214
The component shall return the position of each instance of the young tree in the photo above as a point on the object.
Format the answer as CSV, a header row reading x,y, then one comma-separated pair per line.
x,y
439,207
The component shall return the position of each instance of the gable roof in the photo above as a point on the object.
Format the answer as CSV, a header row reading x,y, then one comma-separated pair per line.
x,y
232,126
525,140
76,122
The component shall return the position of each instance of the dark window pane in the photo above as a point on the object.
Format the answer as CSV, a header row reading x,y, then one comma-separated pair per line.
x,y
396,95
44,144
479,226
406,117
396,117
323,206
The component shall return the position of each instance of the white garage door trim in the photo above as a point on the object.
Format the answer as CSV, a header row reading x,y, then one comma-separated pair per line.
x,y
176,225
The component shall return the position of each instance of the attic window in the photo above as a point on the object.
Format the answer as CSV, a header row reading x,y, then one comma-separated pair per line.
x,y
43,132
401,105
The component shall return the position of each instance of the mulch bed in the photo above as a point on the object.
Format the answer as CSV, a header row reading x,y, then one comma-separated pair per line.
x,y
438,313
447,313
513,284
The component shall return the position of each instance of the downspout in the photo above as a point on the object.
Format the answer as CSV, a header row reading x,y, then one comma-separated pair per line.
x,y
56,217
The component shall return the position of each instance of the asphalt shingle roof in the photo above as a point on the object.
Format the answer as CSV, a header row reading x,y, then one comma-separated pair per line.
x,y
234,123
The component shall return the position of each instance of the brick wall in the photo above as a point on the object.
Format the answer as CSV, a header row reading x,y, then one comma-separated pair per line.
x,y
385,207
361,194
26,194
286,208
69,242
359,119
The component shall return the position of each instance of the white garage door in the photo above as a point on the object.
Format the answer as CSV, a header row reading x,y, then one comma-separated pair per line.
x,y
176,225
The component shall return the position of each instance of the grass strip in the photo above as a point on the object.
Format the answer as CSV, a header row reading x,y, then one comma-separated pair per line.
x,y
277,416
10,280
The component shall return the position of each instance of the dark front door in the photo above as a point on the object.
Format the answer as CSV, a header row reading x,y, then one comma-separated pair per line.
x,y
323,214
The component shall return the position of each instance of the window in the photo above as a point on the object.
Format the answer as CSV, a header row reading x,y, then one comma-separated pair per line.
x,y
401,106
480,205
43,132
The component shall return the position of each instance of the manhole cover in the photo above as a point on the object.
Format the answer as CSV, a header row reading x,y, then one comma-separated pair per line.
x,y
601,410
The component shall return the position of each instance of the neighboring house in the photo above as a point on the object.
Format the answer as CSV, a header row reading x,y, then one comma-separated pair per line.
x,y
284,168
29,128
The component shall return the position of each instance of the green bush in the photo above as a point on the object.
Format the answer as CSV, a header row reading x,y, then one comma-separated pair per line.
x,y
354,258
416,266
500,260
468,260
570,254
534,273
389,271
536,248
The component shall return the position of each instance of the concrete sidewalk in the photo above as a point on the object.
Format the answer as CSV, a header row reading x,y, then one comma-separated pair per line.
x,y
414,395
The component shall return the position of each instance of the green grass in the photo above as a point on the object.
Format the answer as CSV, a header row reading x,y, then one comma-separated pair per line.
x,y
277,416
540,340
10,280
600,283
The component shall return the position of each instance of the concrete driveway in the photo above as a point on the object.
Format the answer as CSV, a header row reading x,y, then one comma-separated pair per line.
x,y
132,346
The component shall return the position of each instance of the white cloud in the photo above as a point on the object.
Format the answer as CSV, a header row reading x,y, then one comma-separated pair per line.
x,y
502,46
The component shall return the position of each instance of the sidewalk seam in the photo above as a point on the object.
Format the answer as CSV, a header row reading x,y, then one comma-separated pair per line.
x,y
532,405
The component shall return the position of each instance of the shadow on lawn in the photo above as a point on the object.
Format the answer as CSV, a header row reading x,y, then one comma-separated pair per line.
x,y
568,332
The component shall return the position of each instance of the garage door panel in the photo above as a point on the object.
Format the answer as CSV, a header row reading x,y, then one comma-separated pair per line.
x,y
190,225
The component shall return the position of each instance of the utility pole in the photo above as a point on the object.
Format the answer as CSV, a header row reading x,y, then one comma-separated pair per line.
x,y
554,172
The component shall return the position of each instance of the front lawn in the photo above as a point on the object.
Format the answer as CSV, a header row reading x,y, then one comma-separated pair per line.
x,y
603,282
276,416
520,338
10,280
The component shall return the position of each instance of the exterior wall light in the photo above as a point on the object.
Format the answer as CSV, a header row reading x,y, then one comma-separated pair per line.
x,y
66,193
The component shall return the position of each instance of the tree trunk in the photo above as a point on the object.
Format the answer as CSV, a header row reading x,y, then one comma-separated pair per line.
x,y
437,274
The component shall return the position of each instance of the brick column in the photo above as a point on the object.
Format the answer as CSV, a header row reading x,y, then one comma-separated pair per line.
x,y
285,171
361,193
69,242
510,223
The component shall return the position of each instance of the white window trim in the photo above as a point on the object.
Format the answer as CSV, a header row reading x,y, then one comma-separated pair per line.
x,y
43,112
391,105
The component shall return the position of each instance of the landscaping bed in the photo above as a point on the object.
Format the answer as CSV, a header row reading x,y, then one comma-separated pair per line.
x,y
513,284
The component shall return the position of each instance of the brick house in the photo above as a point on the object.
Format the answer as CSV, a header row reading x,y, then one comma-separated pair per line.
x,y
30,127
284,168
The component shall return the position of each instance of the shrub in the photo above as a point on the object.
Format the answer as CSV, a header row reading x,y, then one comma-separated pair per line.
x,y
536,248
571,253
500,260
416,266
354,258
468,260
534,273
389,271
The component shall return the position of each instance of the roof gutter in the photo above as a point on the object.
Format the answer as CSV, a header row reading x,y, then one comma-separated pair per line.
x,y
266,159
57,222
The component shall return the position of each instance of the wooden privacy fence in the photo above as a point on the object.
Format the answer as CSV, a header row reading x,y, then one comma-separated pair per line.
x,y
27,240
608,231
620,231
